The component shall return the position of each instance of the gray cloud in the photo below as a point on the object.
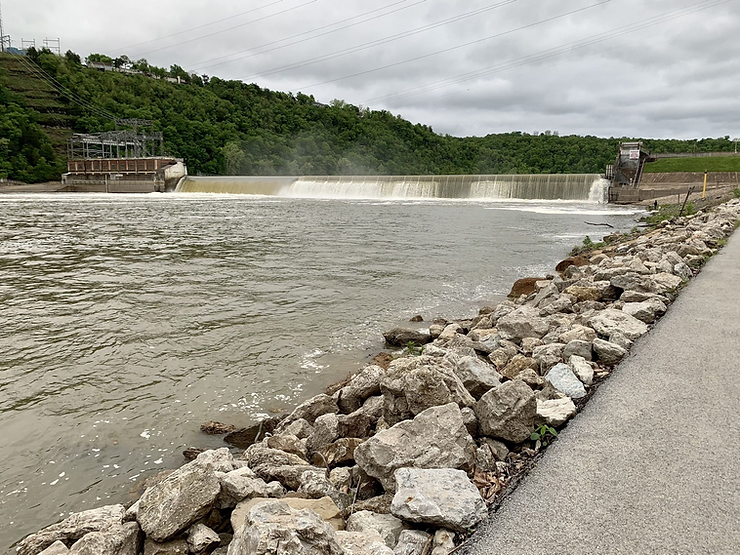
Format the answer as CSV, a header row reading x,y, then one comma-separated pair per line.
x,y
676,78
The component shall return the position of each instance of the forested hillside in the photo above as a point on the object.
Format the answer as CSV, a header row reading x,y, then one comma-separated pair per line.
x,y
230,127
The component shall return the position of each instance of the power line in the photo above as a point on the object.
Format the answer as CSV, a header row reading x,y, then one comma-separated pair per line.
x,y
378,42
552,52
57,86
203,64
229,28
197,27
431,54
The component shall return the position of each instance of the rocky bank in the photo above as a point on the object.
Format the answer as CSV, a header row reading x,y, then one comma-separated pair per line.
x,y
406,458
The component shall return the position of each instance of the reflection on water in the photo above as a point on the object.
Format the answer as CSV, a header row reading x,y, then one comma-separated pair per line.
x,y
129,320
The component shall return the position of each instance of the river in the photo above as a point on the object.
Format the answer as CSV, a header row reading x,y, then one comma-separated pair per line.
x,y
128,320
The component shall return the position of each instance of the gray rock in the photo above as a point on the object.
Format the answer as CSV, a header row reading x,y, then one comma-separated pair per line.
x,y
556,412
57,548
124,539
324,508
216,460
310,410
470,420
387,526
582,369
531,378
173,505
299,428
578,333
363,543
523,322
363,385
261,458
608,353
414,384
238,485
444,542
577,348
683,270
439,497
412,542
477,376
400,337
201,538
618,338
436,438
288,443
635,296
175,547
326,431
519,364
507,412
564,380
361,423
646,311
610,320
634,282
72,528
665,282
548,356
299,532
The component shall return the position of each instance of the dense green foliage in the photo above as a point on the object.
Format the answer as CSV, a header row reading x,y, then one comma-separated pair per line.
x,y
230,127
710,164
26,153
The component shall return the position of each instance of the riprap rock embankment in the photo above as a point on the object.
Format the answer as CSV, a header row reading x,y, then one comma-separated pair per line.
x,y
406,458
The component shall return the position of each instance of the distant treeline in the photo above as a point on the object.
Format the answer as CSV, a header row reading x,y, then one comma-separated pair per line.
x,y
230,127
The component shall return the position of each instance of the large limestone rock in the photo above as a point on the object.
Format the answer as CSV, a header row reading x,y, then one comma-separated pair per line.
x,y
477,376
564,380
412,542
439,497
578,333
507,412
388,526
310,410
523,322
326,431
324,507
548,356
414,384
173,505
297,532
363,385
363,543
436,438
646,311
611,320
556,412
124,539
608,353
72,528
582,369
361,423
518,364
57,548
239,485
201,538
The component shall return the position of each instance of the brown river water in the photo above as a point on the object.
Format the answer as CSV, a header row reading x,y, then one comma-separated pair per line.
x,y
128,320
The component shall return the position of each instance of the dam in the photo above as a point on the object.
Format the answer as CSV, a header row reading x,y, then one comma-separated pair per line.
x,y
566,187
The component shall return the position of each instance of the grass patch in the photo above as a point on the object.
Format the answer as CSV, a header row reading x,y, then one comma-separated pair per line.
x,y
710,163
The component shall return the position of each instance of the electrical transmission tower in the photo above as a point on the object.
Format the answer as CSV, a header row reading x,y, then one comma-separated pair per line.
x,y
4,39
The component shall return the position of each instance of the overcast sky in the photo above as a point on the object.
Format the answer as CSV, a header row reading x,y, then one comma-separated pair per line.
x,y
464,67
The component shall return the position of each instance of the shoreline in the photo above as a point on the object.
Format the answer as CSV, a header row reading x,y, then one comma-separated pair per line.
x,y
504,362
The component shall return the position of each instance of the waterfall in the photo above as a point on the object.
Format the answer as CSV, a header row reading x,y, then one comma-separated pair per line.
x,y
570,187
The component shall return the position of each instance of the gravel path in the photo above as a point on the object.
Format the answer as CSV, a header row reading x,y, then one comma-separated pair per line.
x,y
652,464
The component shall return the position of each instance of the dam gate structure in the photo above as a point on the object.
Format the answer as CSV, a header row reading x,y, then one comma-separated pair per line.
x,y
121,161
626,173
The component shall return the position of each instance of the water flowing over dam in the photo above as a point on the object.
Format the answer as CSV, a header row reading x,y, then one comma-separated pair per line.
x,y
570,187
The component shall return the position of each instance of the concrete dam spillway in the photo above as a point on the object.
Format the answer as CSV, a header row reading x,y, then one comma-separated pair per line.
x,y
568,187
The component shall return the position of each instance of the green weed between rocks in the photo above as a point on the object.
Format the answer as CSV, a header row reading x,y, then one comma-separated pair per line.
x,y
543,435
